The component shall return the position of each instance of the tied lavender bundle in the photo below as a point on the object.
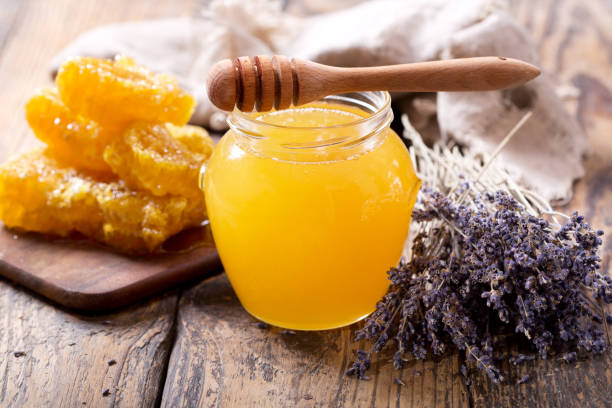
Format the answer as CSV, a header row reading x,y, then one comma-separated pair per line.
x,y
482,264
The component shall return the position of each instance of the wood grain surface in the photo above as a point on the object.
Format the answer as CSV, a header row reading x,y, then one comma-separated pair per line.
x,y
89,277
220,356
223,358
52,358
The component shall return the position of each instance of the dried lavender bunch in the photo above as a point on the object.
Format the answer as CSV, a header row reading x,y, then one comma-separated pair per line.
x,y
490,264
481,264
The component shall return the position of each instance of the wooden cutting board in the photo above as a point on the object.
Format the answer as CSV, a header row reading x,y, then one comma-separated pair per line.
x,y
85,276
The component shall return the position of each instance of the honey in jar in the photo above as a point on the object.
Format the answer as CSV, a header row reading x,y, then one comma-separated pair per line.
x,y
309,207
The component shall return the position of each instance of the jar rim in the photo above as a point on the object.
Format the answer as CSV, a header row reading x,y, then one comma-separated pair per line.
x,y
317,143
380,110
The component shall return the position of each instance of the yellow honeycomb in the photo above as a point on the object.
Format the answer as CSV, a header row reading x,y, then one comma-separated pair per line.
x,y
136,221
120,165
195,138
72,139
163,159
115,93
37,193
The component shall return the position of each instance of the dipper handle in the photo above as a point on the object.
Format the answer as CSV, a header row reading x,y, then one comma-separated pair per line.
x,y
265,82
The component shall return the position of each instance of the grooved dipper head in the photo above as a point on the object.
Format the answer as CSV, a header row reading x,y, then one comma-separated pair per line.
x,y
221,85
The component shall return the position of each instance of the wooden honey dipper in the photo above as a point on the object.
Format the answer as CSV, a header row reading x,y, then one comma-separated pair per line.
x,y
265,82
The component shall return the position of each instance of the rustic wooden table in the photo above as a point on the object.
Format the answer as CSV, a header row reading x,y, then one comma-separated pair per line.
x,y
196,346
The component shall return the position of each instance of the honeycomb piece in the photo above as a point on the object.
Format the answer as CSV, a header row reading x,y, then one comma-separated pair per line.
x,y
37,193
148,157
72,139
115,93
136,221
195,138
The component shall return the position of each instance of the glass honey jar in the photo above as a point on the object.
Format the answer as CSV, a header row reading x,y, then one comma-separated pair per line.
x,y
309,207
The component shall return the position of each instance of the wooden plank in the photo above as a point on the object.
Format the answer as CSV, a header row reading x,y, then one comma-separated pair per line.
x,y
90,277
222,358
66,360
575,43
552,383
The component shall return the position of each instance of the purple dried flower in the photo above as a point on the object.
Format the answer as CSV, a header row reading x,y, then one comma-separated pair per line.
x,y
360,365
519,358
490,265
524,379
568,357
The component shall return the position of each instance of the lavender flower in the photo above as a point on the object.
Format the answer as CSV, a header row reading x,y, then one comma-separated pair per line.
x,y
518,359
524,379
488,268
